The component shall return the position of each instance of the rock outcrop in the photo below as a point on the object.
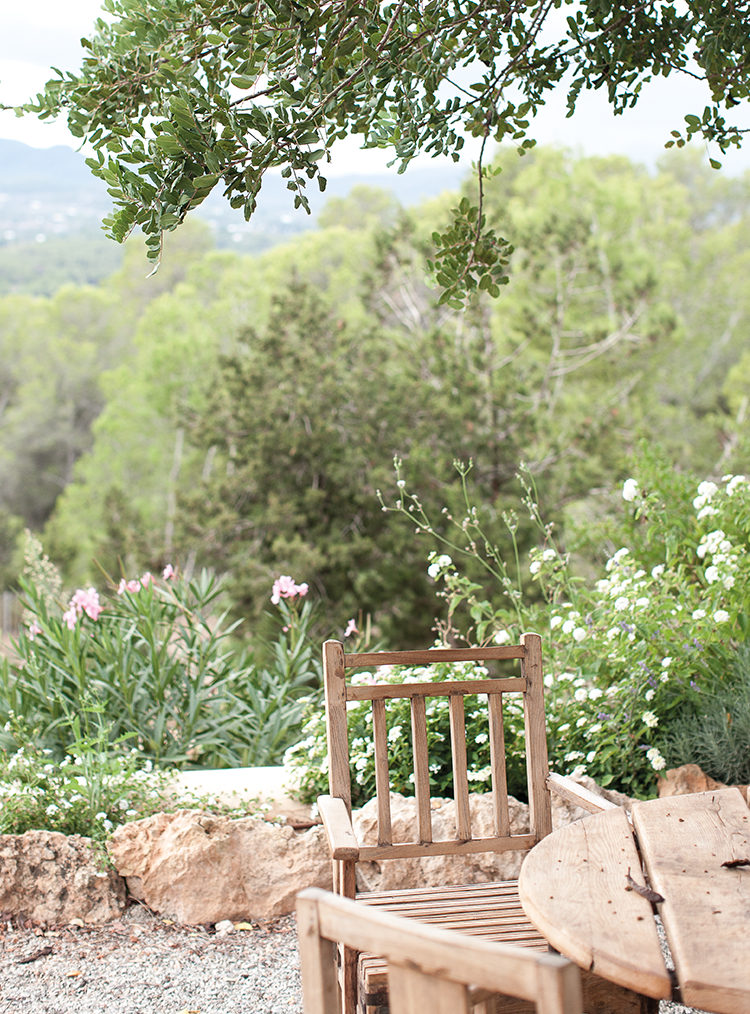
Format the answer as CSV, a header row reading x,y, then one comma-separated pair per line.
x,y
50,877
690,778
198,868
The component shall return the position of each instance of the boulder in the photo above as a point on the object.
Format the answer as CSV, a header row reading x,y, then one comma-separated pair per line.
x,y
690,778
198,868
50,877
434,871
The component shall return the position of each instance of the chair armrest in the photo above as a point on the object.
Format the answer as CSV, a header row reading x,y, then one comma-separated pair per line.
x,y
579,795
338,827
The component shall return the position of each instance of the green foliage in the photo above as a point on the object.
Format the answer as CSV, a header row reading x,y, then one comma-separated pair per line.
x,y
715,735
637,651
157,95
156,662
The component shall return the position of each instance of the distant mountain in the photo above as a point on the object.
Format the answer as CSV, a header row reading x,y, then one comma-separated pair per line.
x,y
48,195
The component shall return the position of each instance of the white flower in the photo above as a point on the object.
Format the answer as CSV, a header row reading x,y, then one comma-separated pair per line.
x,y
535,567
574,755
612,633
438,565
595,693
698,614
622,603
649,695
394,734
52,809
590,755
666,661
564,728
650,719
657,571
549,680
638,574
721,616
548,555
501,637
581,722
707,489
729,582
481,737
629,490
581,695
555,622
664,678
641,602
734,482
603,586
655,758
568,627
712,574
566,676
706,512
579,634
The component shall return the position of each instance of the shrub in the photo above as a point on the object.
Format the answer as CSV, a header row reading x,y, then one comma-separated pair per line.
x,y
155,659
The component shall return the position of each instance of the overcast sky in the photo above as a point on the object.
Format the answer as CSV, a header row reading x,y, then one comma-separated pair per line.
x,y
34,37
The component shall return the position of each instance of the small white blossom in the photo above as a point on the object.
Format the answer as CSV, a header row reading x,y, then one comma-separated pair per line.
x,y
549,555
642,602
655,758
568,627
629,490
555,622
706,512
535,567
581,695
698,614
590,755
734,482
650,719
622,603
595,693
581,722
549,681
574,755
394,734
657,571
481,737
612,633
579,634
564,728
501,637
721,616
566,676
712,574
649,695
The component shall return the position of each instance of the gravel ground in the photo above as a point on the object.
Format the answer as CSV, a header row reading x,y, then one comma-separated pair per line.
x,y
143,964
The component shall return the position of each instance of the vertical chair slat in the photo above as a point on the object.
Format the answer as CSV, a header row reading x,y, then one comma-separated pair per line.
x,y
382,781
497,765
540,813
460,781
421,767
334,677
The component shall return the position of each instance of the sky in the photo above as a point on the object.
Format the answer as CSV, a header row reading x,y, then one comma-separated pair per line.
x,y
34,37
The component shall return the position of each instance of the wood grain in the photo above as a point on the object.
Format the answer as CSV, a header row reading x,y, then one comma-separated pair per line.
x,y
537,769
421,768
460,781
572,887
706,908
412,850
515,684
497,765
432,655
338,827
339,779
382,780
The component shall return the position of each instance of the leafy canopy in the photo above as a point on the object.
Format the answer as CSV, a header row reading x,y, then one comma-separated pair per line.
x,y
181,96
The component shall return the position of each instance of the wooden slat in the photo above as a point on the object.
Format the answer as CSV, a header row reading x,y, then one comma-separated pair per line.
x,y
514,684
382,780
432,655
411,850
421,767
497,764
460,781
339,779
578,794
319,986
537,769
573,888
706,908
413,992
338,827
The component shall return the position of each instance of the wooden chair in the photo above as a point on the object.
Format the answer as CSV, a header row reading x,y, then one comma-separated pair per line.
x,y
432,971
489,910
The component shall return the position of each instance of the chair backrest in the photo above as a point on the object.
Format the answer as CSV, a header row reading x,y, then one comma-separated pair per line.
x,y
529,685
429,969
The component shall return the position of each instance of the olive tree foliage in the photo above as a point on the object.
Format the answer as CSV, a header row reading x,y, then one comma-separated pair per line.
x,y
178,97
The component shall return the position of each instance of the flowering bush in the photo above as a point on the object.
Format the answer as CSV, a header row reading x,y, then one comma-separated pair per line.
x,y
629,655
155,660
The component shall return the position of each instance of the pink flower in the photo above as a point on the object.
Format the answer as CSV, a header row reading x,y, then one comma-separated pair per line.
x,y
34,629
121,586
70,618
86,602
351,628
168,572
146,579
285,588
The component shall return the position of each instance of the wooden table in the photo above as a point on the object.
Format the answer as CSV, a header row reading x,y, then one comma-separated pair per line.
x,y
574,888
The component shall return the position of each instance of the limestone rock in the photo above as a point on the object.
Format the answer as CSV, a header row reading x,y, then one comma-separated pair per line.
x,y
198,868
434,871
54,878
690,778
